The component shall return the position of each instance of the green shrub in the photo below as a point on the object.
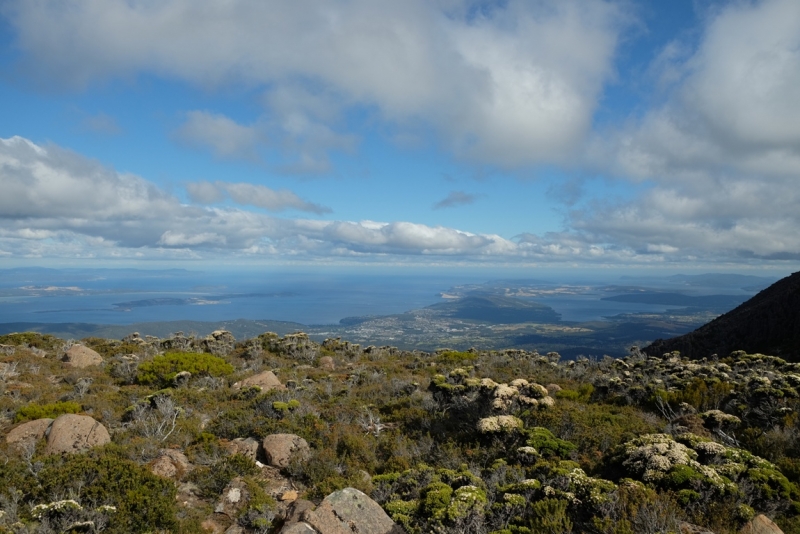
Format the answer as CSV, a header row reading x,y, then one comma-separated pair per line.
x,y
547,444
212,479
32,412
144,501
162,369
32,339
457,358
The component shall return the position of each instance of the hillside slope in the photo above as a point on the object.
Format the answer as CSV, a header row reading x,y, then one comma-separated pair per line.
x,y
768,323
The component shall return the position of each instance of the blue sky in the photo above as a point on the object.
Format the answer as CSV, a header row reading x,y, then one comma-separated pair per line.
x,y
448,132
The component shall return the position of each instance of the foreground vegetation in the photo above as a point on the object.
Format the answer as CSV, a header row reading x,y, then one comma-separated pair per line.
x,y
503,442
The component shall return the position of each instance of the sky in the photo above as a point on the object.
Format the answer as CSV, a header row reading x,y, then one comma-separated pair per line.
x,y
448,133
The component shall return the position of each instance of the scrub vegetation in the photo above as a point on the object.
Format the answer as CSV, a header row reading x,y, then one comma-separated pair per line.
x,y
500,442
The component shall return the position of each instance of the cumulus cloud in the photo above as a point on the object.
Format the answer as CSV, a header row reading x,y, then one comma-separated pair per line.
x,y
59,203
223,136
251,195
718,159
510,86
455,198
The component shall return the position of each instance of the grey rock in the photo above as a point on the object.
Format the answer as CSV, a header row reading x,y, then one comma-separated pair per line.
x,y
218,343
349,510
234,499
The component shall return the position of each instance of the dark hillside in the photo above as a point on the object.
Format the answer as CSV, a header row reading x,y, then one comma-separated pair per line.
x,y
768,323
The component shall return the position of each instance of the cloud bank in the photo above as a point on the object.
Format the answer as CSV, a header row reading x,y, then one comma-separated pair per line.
x,y
509,85
59,203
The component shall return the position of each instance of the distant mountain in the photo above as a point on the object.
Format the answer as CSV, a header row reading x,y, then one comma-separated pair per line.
x,y
496,310
768,323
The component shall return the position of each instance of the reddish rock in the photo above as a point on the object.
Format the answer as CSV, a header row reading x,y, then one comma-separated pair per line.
x,y
29,432
265,381
75,433
79,356
243,446
171,463
760,524
279,449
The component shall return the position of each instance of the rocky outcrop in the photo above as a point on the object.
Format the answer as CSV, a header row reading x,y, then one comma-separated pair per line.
x,y
28,433
760,525
218,343
71,433
265,381
768,323
280,448
234,499
79,356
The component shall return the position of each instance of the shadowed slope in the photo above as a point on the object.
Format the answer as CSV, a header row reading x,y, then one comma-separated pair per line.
x,y
768,323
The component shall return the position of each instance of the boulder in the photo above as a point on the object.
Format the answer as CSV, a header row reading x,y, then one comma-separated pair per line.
x,y
279,449
29,432
552,389
349,510
265,380
171,463
298,528
760,524
80,356
244,446
71,433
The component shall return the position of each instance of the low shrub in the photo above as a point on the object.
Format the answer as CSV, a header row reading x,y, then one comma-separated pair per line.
x,y
32,412
161,370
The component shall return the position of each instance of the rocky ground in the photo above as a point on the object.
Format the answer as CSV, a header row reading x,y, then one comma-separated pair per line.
x,y
284,434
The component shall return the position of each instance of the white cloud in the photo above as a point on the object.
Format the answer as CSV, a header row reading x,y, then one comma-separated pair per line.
x,y
511,86
61,204
721,155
